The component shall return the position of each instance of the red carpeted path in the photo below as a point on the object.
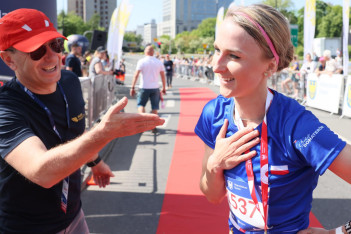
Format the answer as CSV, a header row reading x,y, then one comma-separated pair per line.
x,y
185,210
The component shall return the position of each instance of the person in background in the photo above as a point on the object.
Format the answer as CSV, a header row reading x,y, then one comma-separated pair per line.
x,y
42,131
169,66
96,66
331,66
64,55
293,77
151,70
321,66
261,145
73,62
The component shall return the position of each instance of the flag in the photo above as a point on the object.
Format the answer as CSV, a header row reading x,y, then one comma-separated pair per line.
x,y
345,36
220,17
118,24
309,26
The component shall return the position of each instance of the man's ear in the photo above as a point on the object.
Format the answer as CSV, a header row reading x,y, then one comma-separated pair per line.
x,y
6,56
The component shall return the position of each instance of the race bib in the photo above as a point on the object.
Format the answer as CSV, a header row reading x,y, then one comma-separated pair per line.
x,y
244,212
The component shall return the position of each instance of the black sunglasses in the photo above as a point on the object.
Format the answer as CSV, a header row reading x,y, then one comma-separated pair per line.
x,y
56,45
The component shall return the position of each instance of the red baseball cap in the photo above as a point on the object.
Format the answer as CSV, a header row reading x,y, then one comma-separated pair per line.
x,y
26,30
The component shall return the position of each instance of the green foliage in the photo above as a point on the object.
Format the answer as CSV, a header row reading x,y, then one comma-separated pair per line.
x,y
72,24
328,21
132,37
207,28
279,4
331,24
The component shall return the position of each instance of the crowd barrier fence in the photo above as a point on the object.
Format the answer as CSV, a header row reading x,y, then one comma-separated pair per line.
x,y
98,93
330,93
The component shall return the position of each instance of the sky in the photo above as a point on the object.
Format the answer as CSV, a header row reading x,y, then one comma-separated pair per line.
x,y
145,10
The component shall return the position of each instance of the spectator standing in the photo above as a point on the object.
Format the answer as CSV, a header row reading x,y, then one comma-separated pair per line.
x,y
169,66
96,66
42,131
321,66
331,66
293,77
151,70
73,62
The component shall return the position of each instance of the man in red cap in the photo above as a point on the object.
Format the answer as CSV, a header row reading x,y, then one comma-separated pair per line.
x,y
42,139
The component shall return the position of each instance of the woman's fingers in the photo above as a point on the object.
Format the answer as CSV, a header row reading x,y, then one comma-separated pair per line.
x,y
223,130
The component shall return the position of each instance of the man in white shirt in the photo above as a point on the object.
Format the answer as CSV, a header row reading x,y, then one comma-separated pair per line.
x,y
151,69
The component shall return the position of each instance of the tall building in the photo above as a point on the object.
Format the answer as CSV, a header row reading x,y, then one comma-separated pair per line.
x,y
87,8
150,32
186,15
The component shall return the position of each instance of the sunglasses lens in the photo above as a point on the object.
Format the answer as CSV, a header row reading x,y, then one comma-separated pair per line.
x,y
56,45
38,53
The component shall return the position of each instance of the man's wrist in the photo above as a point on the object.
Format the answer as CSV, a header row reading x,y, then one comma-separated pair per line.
x,y
95,162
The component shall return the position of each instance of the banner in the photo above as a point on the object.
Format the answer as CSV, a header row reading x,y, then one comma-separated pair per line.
x,y
346,109
220,17
118,24
309,26
345,35
324,91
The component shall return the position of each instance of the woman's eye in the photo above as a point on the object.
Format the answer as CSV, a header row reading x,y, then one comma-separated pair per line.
x,y
217,50
233,56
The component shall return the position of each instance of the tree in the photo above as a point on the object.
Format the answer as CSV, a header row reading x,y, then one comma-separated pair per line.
x,y
331,24
280,5
132,37
206,28
73,24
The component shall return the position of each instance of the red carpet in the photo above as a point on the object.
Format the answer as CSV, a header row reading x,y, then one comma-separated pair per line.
x,y
185,210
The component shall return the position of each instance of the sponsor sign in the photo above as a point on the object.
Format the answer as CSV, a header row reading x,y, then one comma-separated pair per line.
x,y
324,92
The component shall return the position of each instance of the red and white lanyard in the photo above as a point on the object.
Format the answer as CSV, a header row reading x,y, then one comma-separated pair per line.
x,y
263,160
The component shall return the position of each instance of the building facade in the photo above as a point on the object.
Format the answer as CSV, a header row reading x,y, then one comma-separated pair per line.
x,y
186,15
87,8
150,32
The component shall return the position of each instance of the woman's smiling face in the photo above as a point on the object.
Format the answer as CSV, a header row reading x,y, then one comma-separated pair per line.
x,y
238,61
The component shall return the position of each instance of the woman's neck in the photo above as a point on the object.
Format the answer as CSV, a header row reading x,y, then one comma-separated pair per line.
x,y
251,109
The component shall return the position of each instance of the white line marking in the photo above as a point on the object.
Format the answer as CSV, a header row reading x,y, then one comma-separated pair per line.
x,y
166,117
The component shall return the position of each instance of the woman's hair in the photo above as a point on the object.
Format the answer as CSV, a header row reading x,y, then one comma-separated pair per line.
x,y
274,24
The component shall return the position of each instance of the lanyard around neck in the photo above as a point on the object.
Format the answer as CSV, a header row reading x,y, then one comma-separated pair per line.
x,y
47,111
263,162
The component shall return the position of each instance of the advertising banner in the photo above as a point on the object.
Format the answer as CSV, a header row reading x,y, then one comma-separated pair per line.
x,y
309,26
48,7
324,92
346,109
118,25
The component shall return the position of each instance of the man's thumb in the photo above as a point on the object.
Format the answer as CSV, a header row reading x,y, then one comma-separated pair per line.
x,y
119,105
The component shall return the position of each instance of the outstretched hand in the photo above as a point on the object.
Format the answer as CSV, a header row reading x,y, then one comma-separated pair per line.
x,y
119,124
231,151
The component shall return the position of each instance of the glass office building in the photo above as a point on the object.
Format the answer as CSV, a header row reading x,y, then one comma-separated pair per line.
x,y
186,15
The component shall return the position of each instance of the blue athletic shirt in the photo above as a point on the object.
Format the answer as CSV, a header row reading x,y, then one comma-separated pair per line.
x,y
300,148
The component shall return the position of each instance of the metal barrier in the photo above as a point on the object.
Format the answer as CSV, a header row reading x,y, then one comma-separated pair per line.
x,y
98,94
194,72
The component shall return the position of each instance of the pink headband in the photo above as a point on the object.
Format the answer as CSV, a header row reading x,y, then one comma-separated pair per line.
x,y
269,42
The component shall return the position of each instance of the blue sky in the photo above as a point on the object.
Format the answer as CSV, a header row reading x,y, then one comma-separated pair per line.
x,y
146,10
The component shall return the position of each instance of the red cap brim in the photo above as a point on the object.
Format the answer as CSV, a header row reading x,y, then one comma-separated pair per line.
x,y
33,43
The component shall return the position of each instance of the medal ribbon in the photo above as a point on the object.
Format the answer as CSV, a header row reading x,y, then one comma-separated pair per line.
x,y
263,163
65,185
